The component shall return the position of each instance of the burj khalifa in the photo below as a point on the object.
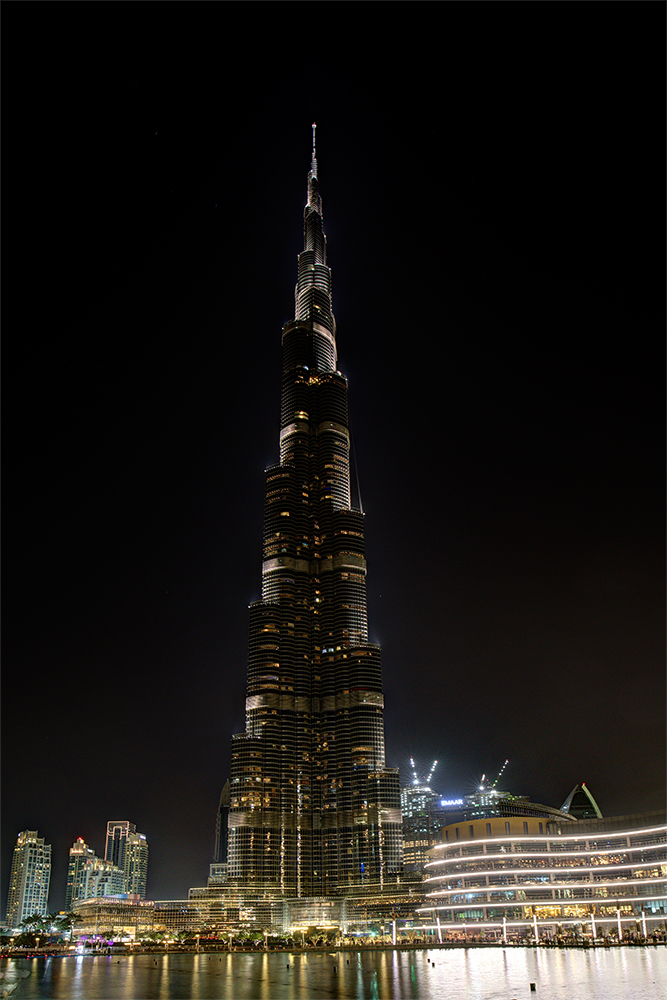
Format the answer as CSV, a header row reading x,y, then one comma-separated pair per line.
x,y
313,809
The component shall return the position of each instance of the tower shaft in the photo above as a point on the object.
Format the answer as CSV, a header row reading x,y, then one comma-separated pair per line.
x,y
313,808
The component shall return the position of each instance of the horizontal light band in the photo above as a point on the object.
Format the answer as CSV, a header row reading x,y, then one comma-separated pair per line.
x,y
482,904
533,872
552,838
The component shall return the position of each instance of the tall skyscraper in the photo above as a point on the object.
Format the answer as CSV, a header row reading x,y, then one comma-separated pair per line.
x,y
136,864
88,875
29,878
313,808
422,818
118,830
128,850
81,860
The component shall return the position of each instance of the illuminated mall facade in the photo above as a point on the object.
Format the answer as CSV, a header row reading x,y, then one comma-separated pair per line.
x,y
313,810
505,878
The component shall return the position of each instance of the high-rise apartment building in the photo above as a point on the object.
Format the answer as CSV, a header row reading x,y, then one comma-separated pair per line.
x,y
118,830
81,859
136,864
29,878
314,810
89,876
128,850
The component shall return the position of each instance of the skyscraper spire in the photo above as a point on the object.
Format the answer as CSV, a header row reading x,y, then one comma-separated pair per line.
x,y
313,161
313,808
313,288
314,200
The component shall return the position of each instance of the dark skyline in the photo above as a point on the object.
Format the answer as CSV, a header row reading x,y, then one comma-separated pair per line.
x,y
495,224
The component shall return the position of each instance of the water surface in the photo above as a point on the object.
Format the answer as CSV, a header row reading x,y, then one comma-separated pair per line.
x,y
441,974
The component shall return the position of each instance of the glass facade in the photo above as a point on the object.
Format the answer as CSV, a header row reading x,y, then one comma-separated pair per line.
x,y
114,917
313,810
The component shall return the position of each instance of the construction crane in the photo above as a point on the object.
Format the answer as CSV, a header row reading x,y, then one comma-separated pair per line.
x,y
499,773
485,783
426,779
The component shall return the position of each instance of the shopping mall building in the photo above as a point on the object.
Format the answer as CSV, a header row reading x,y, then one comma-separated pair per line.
x,y
516,878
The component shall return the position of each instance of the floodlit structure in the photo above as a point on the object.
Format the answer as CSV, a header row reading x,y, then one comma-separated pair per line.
x,y
313,809
29,878
81,860
135,868
489,802
502,878
423,818
88,875
114,917
128,850
118,830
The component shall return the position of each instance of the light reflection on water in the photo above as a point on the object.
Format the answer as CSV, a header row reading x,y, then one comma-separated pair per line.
x,y
454,974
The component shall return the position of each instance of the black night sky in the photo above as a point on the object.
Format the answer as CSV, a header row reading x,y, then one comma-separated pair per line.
x,y
493,188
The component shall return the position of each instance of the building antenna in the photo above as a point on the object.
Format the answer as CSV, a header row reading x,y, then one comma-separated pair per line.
x,y
313,164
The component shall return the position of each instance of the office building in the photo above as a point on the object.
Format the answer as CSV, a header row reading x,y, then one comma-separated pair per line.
x,y
423,818
314,811
490,802
426,814
29,878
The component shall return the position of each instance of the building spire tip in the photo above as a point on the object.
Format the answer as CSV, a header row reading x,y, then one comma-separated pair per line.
x,y
313,160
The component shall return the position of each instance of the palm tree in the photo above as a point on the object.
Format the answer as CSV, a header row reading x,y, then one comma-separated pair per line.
x,y
65,922
34,924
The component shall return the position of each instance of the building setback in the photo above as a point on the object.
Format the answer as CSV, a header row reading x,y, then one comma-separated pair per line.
x,y
313,810
29,878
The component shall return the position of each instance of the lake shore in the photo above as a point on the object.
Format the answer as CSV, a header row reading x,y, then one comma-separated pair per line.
x,y
155,951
